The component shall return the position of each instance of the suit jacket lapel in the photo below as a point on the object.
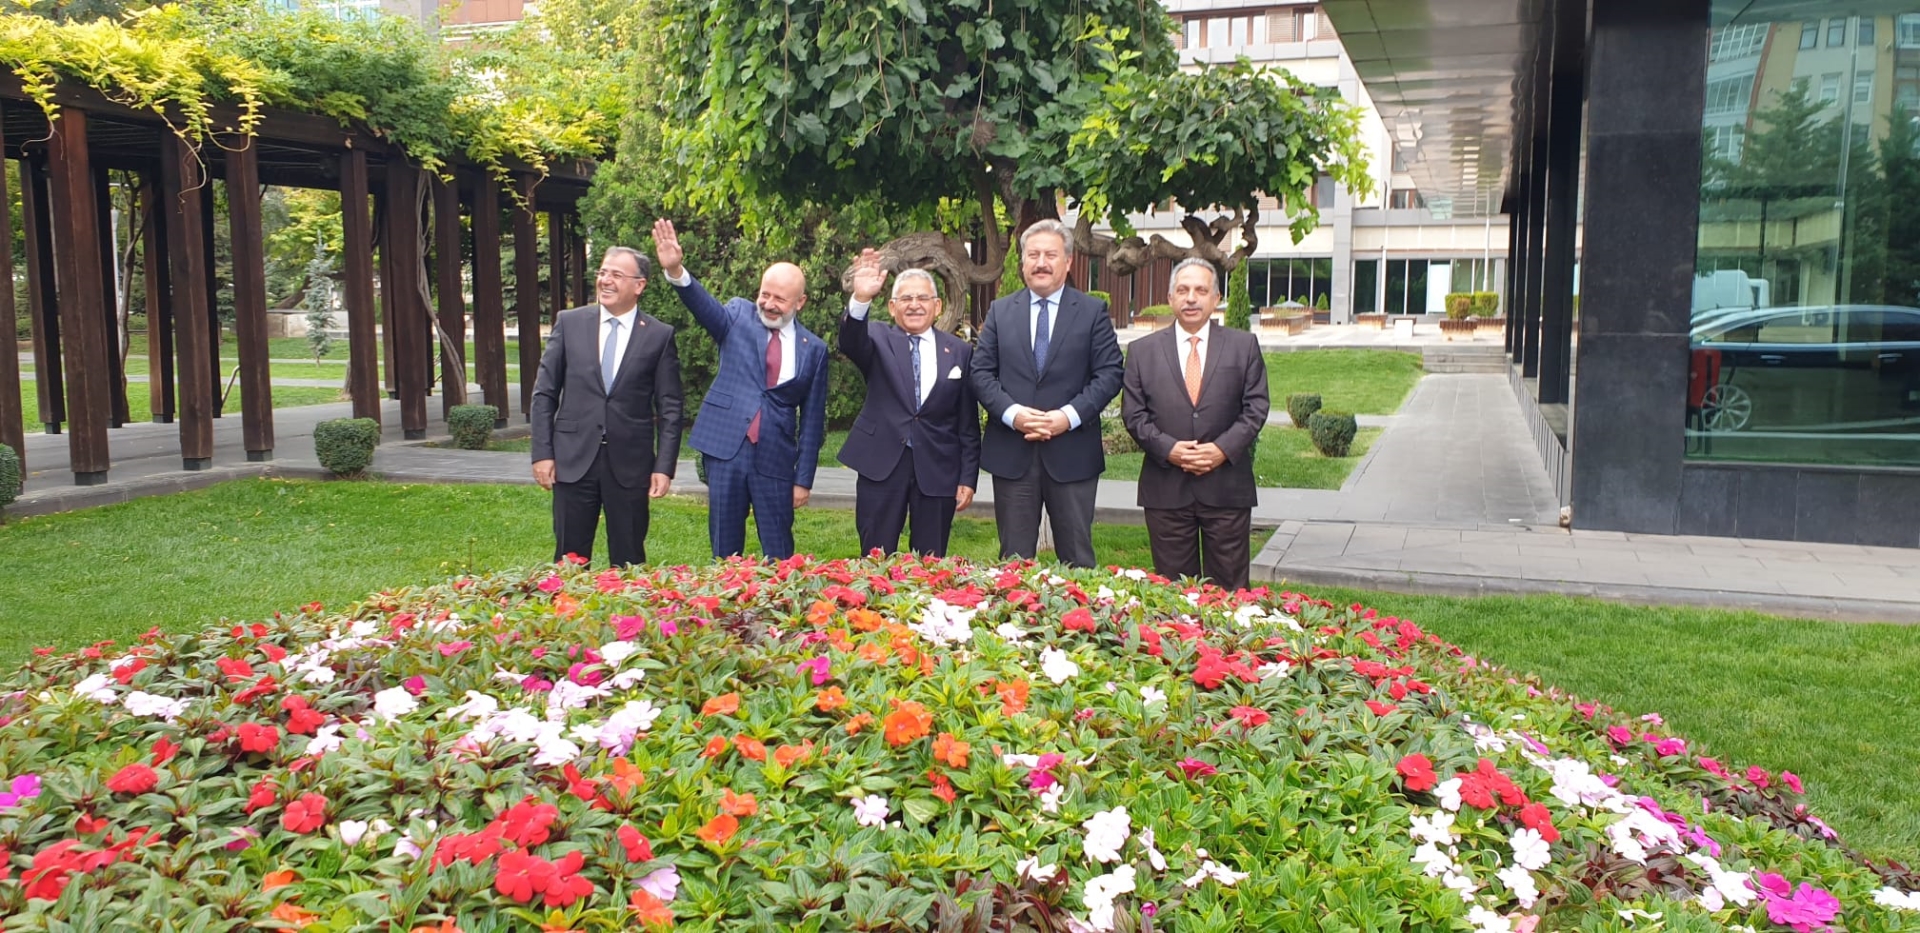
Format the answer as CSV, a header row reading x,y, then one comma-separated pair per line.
x,y
1215,347
586,344
637,326
1176,357
900,351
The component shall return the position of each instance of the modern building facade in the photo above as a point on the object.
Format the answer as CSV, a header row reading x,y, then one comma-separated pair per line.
x,y
1393,249
1735,179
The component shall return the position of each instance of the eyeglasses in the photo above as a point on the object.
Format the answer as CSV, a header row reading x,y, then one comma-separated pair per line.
x,y
617,274
915,299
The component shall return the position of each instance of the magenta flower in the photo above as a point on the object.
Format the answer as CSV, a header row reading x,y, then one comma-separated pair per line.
x,y
1621,735
415,685
1196,769
1667,747
552,584
1792,781
820,666
669,627
22,788
1804,909
626,628
448,649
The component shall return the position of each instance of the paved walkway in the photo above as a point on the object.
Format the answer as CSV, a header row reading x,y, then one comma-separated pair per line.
x,y
1451,499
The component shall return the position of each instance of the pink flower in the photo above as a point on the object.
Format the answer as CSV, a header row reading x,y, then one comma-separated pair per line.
x,y
448,649
625,628
669,627
1758,776
820,666
1620,735
415,685
1666,747
1804,909
1792,781
1713,766
552,584
1196,769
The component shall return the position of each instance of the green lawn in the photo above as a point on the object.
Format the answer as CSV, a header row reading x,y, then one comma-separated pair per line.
x,y
140,406
1360,382
1285,458
1833,702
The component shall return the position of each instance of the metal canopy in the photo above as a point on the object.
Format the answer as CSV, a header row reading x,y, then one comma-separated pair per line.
x,y
1445,76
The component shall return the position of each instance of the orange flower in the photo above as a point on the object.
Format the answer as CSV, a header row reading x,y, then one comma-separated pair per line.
x,y
859,722
289,914
627,776
725,704
839,639
719,829
651,911
445,926
750,748
872,652
564,605
950,751
820,613
865,620
716,747
738,804
942,788
278,879
830,699
1013,696
786,756
908,722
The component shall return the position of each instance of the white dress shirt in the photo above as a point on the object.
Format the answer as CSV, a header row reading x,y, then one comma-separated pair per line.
x,y
627,322
929,360
1186,345
1033,334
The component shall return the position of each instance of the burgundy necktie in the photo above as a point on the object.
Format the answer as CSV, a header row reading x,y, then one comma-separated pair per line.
x,y
773,379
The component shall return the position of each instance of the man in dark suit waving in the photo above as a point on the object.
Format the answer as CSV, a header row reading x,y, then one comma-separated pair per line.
x,y
606,415
763,419
1047,363
1196,399
916,444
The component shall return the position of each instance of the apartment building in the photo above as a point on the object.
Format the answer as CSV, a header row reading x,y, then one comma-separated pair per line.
x,y
1392,249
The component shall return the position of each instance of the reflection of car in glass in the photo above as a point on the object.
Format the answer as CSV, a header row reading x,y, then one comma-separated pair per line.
x,y
1843,369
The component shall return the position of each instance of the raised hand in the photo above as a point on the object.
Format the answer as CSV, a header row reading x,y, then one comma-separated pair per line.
x,y
868,276
666,248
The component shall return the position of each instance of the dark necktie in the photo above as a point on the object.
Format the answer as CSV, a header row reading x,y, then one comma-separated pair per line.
x,y
608,357
773,379
913,344
1040,339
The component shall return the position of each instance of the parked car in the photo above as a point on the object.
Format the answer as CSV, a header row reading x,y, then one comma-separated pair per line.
x,y
1844,369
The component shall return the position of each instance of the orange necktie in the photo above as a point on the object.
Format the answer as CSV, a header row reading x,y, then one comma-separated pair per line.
x,y
1193,370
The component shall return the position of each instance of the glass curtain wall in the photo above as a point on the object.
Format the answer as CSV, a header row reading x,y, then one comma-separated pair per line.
x,y
1306,282
1805,340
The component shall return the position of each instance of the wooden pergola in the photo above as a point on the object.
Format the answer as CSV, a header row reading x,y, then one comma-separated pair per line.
x,y
63,178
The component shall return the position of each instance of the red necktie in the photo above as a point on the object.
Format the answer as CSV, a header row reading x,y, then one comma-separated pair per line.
x,y
773,379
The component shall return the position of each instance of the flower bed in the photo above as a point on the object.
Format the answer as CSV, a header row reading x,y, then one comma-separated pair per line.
x,y
873,745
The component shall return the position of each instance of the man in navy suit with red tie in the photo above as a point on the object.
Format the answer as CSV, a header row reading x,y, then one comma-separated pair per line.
x,y
916,443
765,416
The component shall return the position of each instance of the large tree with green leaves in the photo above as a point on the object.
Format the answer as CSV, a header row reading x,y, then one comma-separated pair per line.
x,y
1000,105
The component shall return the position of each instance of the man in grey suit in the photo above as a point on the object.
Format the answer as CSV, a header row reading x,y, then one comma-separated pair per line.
x,y
1195,398
1047,362
606,415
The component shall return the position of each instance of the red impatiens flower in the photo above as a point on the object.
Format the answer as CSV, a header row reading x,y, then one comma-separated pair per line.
x,y
52,868
951,751
302,718
1079,620
1381,707
164,750
135,778
725,704
255,737
476,848
558,884
1417,771
942,788
738,804
719,829
305,814
639,849
527,823
1252,716
1535,816
651,911
236,669
264,794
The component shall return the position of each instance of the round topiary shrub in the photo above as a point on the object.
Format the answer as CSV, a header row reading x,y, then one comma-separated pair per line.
x,y
9,476
900,744
471,425
345,445
1301,406
1332,432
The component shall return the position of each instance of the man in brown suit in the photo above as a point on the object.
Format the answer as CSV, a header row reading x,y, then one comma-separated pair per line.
x,y
1195,398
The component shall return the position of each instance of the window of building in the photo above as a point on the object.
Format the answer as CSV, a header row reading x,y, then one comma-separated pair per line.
x,y
1865,32
1190,34
1836,32
1217,33
1731,42
1830,87
1906,31
1729,95
1810,35
1405,199
1728,142
1862,87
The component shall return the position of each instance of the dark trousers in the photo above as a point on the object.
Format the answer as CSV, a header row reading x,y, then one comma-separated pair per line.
x,y
1016,512
882,507
735,487
1188,540
576,515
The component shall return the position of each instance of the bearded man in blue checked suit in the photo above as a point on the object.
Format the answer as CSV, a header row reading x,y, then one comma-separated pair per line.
x,y
765,416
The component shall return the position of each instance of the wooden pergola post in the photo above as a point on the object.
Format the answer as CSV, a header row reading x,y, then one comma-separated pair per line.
x,y
181,178
356,257
250,299
489,299
41,294
526,288
450,306
119,412
83,311
13,428
154,262
407,317
557,252
578,240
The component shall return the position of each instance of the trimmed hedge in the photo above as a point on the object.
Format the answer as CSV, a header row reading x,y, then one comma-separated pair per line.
x,y
1301,406
1332,432
345,445
471,425
9,476
1239,304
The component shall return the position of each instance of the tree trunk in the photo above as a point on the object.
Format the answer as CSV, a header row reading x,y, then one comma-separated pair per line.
x,y
1124,256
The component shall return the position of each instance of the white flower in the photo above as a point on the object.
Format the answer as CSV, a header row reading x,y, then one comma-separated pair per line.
x,y
663,883
505,675
1897,899
478,706
1100,892
1057,666
944,624
1461,884
1050,798
154,707
1520,882
1432,861
1216,871
1152,695
1247,613
1487,921
1273,670
1625,845
1020,761
1106,833
352,832
325,739
1437,828
1030,868
1010,633
1103,593
567,695
1154,858
394,702
1133,573
516,724
95,688
1728,887
1449,793
551,748
625,680
626,725
613,652
871,810
1530,849
364,628
1484,738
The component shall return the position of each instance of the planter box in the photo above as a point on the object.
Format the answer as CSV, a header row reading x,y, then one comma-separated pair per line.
x,y
1375,321
1491,323
1458,328
1293,324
